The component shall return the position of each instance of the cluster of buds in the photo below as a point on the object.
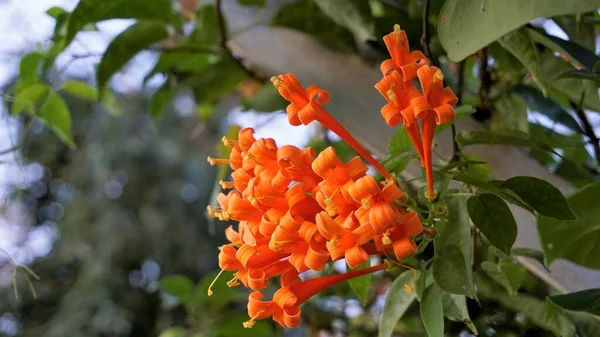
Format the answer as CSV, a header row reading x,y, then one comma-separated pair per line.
x,y
298,210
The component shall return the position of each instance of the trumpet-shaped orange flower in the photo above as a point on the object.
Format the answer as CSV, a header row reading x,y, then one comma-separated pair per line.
x,y
434,107
305,107
403,60
285,306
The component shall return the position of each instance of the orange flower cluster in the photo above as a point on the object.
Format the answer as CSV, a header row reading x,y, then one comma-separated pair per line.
x,y
298,212
432,105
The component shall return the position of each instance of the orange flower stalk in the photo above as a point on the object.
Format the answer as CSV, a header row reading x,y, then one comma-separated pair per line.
x,y
305,107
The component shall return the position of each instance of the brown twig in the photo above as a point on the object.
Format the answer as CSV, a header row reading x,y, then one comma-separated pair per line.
x,y
225,48
588,129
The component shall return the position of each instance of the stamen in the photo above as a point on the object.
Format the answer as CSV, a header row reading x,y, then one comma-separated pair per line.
x,y
233,282
217,161
366,203
331,244
210,292
391,95
276,81
438,76
386,238
250,323
226,184
229,142
397,29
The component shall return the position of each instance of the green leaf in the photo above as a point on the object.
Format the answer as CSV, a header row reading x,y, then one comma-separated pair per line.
x,y
547,106
28,98
28,69
575,52
493,19
551,67
532,308
587,325
461,112
80,89
267,99
55,113
493,218
55,12
476,168
541,195
57,47
400,142
354,15
206,32
432,312
510,275
512,114
230,325
397,302
456,233
551,310
578,32
520,45
111,103
585,300
575,240
92,11
176,285
465,138
305,16
455,309
450,270
260,3
361,285
183,62
581,74
596,68
126,45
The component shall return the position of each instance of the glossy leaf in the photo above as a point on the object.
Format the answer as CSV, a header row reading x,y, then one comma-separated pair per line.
x,y
29,67
91,11
510,275
551,68
55,113
361,285
477,168
456,232
493,19
528,252
520,45
585,300
581,74
573,51
450,270
28,98
465,138
182,62
574,240
493,218
455,309
432,312
541,195
306,17
80,89
354,15
397,302
551,310
511,116
586,324
126,45
176,285
400,142
578,32
547,106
